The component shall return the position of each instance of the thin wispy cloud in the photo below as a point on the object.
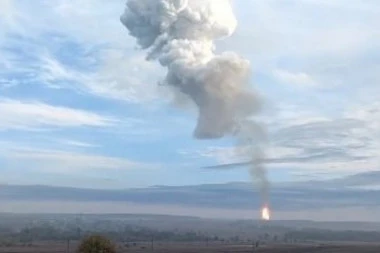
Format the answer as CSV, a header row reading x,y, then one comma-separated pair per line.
x,y
24,115
313,146
296,79
59,161
107,68
78,144
26,158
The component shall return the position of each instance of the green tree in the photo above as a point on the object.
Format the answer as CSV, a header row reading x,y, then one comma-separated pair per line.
x,y
96,244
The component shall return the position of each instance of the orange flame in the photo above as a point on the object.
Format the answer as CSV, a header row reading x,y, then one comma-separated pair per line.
x,y
265,213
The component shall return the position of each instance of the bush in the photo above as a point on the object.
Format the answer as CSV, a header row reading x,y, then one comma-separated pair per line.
x,y
96,244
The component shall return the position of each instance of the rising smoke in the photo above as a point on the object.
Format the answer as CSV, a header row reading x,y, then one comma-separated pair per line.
x,y
180,34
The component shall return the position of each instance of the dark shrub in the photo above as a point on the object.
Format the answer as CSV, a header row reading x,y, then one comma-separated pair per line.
x,y
96,244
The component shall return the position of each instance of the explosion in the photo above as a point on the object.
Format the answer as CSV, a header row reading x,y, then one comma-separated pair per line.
x,y
265,213
181,36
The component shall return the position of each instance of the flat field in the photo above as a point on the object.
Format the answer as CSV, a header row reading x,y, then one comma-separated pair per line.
x,y
200,248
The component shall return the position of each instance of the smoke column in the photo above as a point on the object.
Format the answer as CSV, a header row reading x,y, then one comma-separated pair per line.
x,y
180,34
252,137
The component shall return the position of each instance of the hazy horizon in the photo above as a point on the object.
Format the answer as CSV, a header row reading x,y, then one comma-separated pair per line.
x,y
351,198
53,207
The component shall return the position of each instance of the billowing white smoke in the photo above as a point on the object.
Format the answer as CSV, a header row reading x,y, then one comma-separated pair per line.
x,y
181,35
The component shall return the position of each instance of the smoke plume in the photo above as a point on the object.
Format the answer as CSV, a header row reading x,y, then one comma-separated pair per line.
x,y
180,34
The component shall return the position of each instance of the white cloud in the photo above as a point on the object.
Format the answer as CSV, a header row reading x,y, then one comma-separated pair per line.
x,y
95,26
303,28
90,21
368,6
239,154
330,43
311,145
349,143
6,9
52,159
7,83
16,114
20,158
79,144
118,76
93,20
123,77
369,114
299,79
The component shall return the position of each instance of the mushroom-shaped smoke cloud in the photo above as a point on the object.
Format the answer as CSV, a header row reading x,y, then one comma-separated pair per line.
x,y
181,35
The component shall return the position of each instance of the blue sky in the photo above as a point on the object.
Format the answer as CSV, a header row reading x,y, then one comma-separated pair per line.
x,y
79,105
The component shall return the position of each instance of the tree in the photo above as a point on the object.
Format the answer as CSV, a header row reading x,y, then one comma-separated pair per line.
x,y
96,244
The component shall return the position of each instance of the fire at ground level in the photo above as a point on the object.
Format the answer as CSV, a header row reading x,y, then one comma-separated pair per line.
x,y
265,213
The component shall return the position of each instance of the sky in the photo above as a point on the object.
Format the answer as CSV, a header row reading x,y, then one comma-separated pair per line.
x,y
80,105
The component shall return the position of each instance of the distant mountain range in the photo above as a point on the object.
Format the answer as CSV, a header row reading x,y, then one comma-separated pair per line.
x,y
352,191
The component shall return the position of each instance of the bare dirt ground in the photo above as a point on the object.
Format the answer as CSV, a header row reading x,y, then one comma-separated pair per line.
x,y
194,248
